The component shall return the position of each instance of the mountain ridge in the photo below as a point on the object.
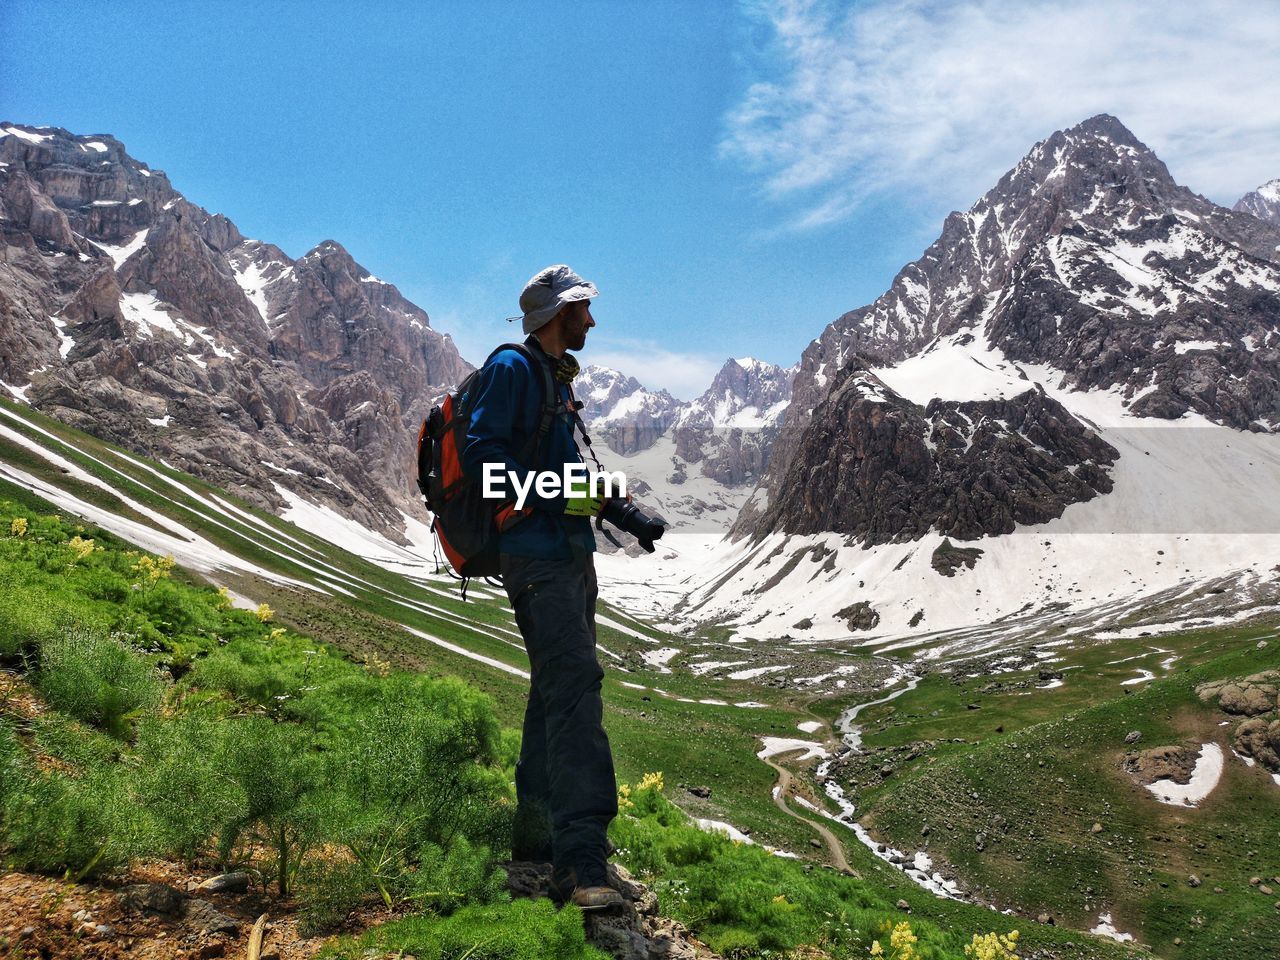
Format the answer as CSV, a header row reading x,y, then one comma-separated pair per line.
x,y
132,312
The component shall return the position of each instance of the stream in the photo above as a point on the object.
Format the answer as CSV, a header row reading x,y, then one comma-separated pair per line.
x,y
918,866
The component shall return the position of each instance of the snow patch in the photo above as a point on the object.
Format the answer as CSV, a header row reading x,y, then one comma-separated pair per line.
x,y
1205,776
1105,928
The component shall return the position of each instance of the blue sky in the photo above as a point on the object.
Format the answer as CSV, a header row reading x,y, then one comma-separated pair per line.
x,y
732,176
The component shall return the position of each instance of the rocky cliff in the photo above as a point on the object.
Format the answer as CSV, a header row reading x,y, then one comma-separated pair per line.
x,y
130,312
877,466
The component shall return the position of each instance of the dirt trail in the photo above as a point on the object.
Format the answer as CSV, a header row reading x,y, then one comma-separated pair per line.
x,y
834,847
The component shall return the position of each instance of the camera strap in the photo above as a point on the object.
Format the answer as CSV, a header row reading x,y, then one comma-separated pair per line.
x,y
574,406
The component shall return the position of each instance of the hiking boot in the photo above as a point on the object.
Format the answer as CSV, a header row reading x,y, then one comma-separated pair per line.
x,y
587,889
595,898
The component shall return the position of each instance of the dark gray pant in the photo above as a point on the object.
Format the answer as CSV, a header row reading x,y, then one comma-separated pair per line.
x,y
564,780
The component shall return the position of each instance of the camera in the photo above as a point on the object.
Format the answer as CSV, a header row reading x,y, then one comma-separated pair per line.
x,y
626,516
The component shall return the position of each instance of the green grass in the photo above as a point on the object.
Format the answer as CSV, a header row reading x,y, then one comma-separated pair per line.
x,y
1034,791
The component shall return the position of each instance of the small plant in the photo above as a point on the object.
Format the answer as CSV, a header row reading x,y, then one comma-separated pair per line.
x,y
993,946
18,527
274,768
150,570
902,943
264,613
459,876
80,548
97,680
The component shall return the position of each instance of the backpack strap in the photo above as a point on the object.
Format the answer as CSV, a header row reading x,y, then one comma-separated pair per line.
x,y
550,396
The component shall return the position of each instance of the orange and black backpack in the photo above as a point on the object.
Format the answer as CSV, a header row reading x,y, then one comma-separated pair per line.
x,y
466,524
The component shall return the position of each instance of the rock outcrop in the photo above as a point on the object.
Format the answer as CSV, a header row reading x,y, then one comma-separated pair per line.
x,y
876,466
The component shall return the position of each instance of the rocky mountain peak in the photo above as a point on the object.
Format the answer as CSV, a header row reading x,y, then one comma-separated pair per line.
x,y
1089,258
333,255
747,382
627,416
130,312
1263,203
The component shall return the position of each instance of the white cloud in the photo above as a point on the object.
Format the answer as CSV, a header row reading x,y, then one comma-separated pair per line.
x,y
938,98
684,375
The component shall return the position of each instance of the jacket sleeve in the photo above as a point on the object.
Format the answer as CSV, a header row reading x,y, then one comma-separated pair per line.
x,y
504,389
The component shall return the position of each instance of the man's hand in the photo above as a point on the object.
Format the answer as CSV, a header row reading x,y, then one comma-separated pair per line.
x,y
580,503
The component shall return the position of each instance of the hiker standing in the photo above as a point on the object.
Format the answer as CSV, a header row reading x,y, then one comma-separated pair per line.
x,y
565,788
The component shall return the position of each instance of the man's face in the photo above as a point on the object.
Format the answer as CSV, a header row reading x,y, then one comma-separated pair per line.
x,y
577,322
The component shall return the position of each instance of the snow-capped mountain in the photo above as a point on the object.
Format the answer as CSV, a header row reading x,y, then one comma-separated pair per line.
x,y
694,463
1064,413
730,430
627,417
1263,203
132,313
1086,256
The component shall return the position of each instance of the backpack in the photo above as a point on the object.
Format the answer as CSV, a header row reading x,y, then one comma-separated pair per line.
x,y
466,524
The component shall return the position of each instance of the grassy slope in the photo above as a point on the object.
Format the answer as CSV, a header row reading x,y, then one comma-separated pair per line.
x,y
691,743
1036,789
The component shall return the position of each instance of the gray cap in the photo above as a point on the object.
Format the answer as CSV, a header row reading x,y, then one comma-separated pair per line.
x,y
549,290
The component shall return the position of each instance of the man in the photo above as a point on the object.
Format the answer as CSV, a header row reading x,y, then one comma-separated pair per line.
x,y
565,788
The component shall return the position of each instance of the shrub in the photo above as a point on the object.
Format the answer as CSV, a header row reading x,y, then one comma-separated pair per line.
x,y
521,930
83,824
14,768
31,614
83,747
97,679
462,875
180,780
275,768
329,890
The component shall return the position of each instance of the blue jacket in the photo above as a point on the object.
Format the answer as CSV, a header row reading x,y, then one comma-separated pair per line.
x,y
505,415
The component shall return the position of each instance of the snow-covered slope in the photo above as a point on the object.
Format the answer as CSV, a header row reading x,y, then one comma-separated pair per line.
x,y
1190,529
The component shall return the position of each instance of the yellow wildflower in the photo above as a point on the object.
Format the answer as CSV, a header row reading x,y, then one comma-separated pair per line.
x,y
993,946
264,613
902,941
150,569
80,547
18,527
651,781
